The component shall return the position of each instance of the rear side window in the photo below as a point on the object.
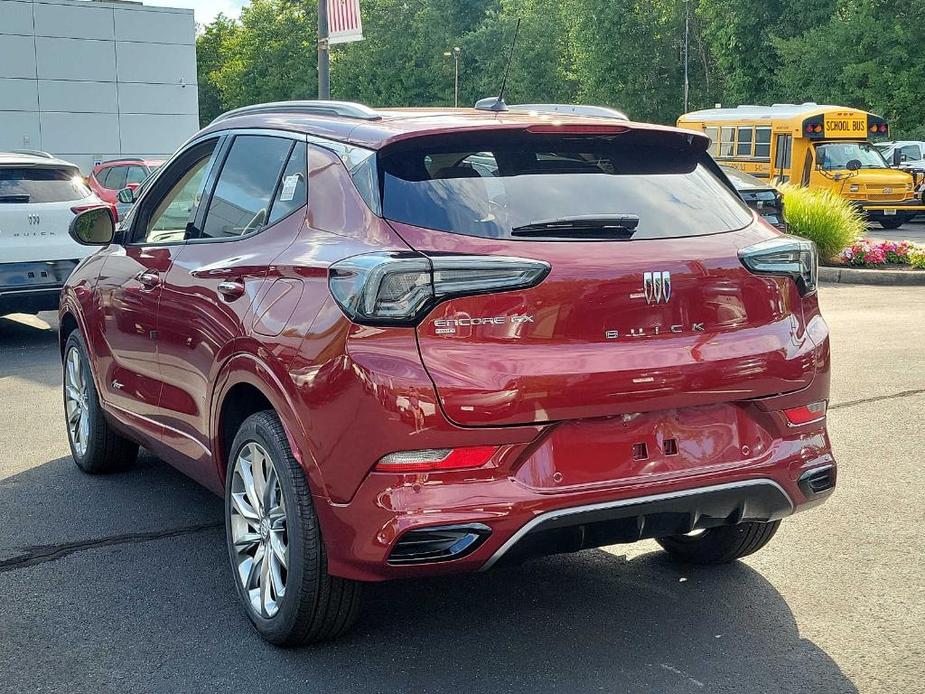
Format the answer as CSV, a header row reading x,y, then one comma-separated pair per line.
x,y
246,185
135,174
41,185
115,177
291,191
499,184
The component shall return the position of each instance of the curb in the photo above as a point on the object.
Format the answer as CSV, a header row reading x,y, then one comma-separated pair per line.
x,y
847,275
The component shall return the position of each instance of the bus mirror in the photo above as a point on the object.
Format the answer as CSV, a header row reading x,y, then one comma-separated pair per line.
x,y
853,165
897,157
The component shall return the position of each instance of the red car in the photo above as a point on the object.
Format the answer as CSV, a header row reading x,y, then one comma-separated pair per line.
x,y
413,342
108,178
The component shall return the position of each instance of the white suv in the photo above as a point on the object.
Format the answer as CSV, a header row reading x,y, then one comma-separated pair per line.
x,y
39,196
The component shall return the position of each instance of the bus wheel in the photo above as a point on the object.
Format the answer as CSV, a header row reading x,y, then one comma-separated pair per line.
x,y
893,222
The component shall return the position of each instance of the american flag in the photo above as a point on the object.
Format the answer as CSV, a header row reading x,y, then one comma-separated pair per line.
x,y
344,23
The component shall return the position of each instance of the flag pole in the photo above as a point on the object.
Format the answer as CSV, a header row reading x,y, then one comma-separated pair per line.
x,y
324,77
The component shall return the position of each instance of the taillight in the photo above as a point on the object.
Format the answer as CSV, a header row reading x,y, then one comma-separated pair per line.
x,y
400,288
432,459
788,256
77,209
805,414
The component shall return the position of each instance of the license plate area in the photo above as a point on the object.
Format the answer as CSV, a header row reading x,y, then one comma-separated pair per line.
x,y
889,213
630,448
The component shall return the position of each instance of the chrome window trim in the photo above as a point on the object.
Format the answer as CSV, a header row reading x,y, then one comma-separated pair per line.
x,y
576,510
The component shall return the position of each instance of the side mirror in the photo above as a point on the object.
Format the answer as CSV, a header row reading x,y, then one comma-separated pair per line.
x,y
93,227
126,195
853,165
897,157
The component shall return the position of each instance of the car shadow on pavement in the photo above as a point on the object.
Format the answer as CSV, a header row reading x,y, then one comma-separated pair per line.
x,y
157,612
28,344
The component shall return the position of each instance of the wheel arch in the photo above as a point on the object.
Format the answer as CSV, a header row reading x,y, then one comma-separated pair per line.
x,y
246,385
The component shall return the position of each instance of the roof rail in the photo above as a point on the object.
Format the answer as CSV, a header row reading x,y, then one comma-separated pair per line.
x,y
314,107
33,152
107,161
586,110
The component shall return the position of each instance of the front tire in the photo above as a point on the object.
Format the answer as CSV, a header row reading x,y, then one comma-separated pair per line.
x,y
893,222
95,446
720,545
275,545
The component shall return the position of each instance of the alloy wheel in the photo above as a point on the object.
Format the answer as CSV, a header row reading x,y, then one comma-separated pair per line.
x,y
258,530
76,403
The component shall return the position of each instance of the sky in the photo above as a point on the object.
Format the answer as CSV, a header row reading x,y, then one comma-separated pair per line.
x,y
205,10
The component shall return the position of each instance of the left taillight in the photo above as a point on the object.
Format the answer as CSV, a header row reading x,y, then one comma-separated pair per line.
x,y
787,256
437,459
400,288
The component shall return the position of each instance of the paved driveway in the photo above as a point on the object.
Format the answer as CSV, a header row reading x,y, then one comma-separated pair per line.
x,y
120,583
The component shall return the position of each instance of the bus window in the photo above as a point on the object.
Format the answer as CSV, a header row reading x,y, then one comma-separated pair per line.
x,y
782,157
762,143
744,144
726,141
713,134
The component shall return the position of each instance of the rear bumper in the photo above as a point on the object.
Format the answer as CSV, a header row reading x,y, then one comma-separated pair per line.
x,y
417,525
33,286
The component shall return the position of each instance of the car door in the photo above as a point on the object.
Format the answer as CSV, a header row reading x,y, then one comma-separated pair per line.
x,y
209,291
130,287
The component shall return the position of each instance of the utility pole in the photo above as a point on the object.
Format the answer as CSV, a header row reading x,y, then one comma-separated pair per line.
x,y
324,66
686,47
455,54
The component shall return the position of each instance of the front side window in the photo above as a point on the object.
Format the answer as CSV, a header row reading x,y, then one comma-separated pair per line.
x,y
496,186
172,218
834,156
909,153
135,174
246,184
762,143
41,185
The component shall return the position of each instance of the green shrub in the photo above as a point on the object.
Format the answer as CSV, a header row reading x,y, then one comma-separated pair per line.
x,y
916,257
823,217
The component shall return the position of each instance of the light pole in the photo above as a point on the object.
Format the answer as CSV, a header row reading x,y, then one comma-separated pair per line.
x,y
455,54
687,84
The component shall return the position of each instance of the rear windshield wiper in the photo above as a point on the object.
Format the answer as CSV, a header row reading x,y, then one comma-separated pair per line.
x,y
618,226
15,197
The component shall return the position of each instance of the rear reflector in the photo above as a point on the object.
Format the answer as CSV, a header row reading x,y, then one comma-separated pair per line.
x,y
805,414
436,459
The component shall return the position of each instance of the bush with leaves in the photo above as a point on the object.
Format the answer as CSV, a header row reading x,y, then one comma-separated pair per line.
x,y
823,217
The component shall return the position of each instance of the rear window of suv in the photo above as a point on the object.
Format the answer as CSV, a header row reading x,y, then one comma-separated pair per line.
x,y
490,184
41,185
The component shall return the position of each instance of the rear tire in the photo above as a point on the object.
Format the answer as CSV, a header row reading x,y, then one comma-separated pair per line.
x,y
274,542
95,446
720,545
893,222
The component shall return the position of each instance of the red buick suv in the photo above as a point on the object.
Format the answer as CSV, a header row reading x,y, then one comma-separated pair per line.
x,y
408,342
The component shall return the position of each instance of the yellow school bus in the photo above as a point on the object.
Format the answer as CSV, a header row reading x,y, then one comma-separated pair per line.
x,y
811,145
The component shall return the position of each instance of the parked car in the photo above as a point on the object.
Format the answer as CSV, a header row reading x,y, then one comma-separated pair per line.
x,y
109,177
39,196
390,369
760,195
908,155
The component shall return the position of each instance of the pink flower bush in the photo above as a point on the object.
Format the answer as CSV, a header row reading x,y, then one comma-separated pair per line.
x,y
866,252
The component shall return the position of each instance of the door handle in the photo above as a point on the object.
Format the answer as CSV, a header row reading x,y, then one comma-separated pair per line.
x,y
148,279
231,289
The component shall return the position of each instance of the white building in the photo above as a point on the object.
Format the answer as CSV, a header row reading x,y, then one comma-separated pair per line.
x,y
92,80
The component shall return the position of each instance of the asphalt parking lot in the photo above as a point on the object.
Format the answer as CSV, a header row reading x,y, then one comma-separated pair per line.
x,y
121,583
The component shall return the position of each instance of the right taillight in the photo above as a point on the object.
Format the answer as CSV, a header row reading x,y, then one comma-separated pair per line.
x,y
788,256
400,288
805,414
